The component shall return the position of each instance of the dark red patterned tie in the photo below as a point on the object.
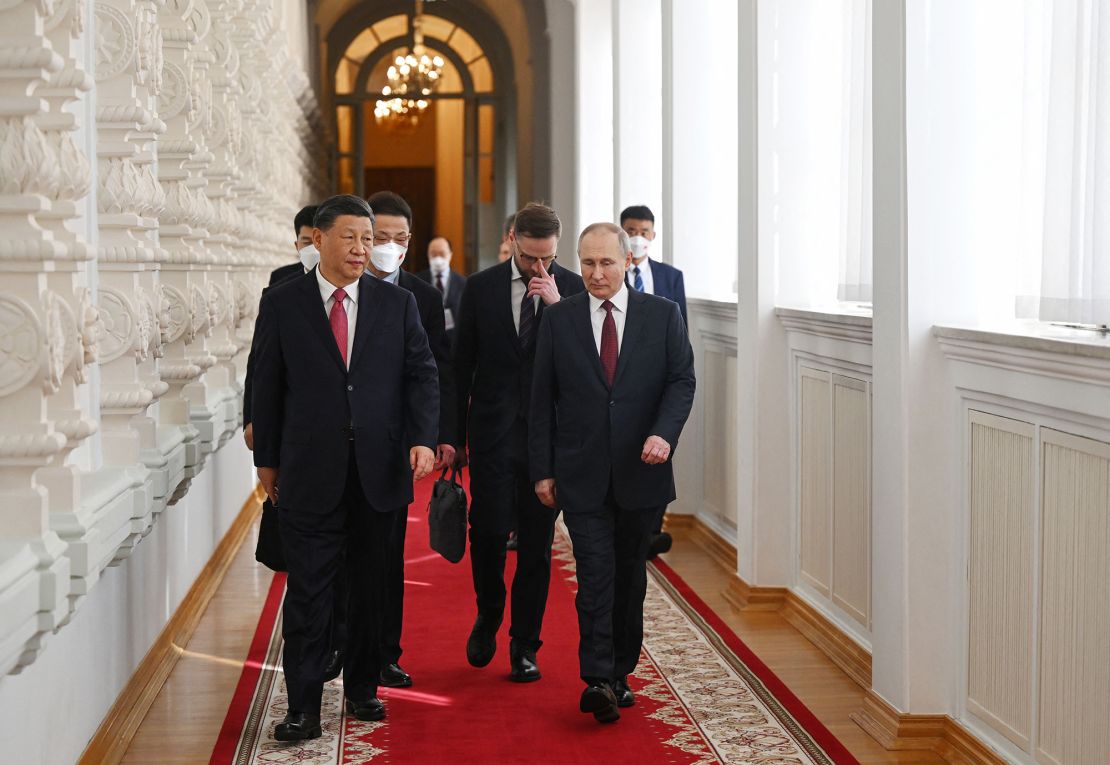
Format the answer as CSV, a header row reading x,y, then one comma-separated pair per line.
x,y
439,282
609,343
338,319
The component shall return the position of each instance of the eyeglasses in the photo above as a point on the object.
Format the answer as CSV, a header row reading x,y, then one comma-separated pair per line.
x,y
528,260
402,239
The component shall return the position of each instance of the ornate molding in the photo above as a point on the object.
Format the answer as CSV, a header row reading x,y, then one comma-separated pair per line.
x,y
21,338
116,42
120,325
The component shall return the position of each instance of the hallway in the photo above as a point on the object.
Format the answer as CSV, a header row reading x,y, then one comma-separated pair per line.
x,y
185,719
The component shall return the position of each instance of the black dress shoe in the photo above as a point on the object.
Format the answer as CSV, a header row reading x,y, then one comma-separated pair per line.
x,y
523,663
335,666
298,726
482,643
366,710
599,700
393,676
660,543
625,697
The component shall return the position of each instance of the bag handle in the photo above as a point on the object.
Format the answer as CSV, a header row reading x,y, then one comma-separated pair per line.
x,y
454,474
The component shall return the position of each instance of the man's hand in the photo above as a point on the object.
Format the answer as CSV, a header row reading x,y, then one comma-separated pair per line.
x,y
545,490
544,286
656,451
248,435
421,459
445,456
268,477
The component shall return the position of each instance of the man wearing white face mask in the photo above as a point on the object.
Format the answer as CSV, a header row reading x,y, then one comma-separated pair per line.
x,y
654,278
448,283
649,274
308,257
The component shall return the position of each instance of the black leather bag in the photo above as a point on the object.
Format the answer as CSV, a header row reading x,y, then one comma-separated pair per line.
x,y
268,550
447,517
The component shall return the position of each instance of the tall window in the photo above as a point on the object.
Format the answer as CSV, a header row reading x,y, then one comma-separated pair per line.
x,y
1065,206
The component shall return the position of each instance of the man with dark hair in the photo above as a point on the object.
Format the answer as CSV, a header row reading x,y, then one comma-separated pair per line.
x,y
392,233
648,274
448,282
500,311
308,258
613,387
654,278
344,381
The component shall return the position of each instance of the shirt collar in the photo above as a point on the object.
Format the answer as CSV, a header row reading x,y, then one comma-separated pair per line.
x,y
327,289
619,301
644,265
391,278
512,267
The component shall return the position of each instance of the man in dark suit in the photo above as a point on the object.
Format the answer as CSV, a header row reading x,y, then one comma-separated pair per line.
x,y
655,278
392,233
344,381
613,386
501,308
307,258
448,283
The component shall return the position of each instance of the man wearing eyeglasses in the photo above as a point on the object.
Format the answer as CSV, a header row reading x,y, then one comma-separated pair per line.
x,y
498,318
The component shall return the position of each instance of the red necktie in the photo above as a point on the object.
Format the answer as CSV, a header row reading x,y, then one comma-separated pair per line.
x,y
338,319
609,343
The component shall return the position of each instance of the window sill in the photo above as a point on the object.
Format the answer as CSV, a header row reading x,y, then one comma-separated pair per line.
x,y
1034,347
842,321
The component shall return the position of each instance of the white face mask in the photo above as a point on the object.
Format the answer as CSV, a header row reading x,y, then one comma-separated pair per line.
x,y
310,257
439,265
640,247
387,257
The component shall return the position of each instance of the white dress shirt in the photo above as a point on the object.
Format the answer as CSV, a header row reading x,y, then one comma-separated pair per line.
x,y
350,305
620,313
645,275
517,293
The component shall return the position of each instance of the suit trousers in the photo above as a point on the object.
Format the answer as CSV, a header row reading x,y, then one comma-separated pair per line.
x,y
610,554
348,543
393,597
504,498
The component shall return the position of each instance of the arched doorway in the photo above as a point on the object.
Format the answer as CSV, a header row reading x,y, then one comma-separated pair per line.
x,y
456,166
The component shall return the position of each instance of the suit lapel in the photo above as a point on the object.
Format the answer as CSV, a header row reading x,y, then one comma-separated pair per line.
x,y
505,290
633,327
313,309
584,327
368,307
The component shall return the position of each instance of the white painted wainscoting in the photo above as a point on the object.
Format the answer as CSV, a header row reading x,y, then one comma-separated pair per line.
x,y
704,464
830,423
1034,676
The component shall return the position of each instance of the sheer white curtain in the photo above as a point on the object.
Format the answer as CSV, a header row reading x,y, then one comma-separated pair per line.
x,y
854,284
1066,173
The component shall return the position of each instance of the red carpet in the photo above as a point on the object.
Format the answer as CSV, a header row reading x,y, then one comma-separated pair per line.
x,y
702,696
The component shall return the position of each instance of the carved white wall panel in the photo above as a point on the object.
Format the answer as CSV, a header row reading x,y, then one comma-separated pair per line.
x,y
719,436
851,497
815,478
1074,629
1001,472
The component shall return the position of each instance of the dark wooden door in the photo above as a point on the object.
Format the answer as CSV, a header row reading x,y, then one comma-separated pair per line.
x,y
418,186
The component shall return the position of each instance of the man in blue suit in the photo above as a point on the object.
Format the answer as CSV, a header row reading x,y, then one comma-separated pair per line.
x,y
647,274
652,277
346,412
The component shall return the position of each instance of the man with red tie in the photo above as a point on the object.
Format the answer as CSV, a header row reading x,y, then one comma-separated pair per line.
x,y
613,384
346,411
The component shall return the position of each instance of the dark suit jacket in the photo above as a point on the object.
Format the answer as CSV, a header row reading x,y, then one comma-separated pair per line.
x,y
584,434
455,284
493,375
668,283
431,317
306,403
277,276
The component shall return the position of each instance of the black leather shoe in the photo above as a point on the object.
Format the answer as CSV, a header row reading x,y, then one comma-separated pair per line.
x,y
393,676
370,711
335,666
482,643
625,697
298,726
599,700
660,543
523,663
